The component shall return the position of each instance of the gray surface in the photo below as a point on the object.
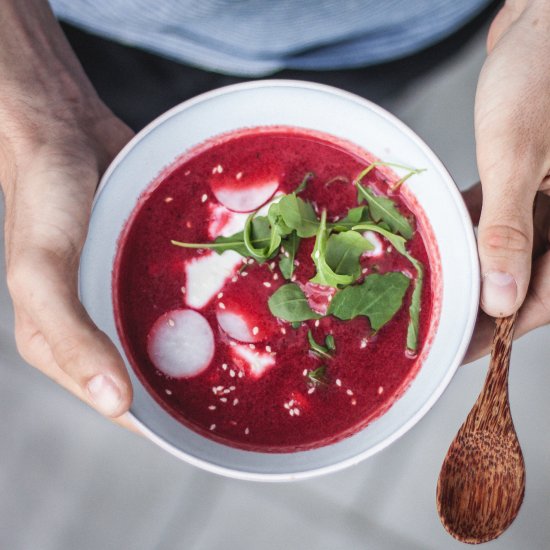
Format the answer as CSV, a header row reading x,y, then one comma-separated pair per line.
x,y
71,480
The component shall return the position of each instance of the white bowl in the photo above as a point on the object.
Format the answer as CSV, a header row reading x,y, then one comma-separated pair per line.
x,y
326,109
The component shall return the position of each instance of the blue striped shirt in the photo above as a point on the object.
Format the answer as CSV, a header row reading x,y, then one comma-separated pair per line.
x,y
258,37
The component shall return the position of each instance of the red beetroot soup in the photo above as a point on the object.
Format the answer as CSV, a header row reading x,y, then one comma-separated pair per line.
x,y
202,327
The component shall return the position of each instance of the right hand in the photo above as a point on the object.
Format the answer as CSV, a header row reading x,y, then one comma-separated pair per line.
x,y
52,154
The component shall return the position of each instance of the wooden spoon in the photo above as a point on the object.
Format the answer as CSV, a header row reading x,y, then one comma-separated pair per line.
x,y
482,480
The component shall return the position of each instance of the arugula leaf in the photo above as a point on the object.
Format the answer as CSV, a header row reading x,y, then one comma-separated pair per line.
x,y
330,343
258,229
325,274
303,185
399,182
289,303
318,376
286,263
379,298
354,216
384,209
316,348
234,242
414,309
276,220
299,215
344,250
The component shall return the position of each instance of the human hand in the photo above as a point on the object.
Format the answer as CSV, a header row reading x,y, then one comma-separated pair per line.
x,y
512,122
533,313
49,171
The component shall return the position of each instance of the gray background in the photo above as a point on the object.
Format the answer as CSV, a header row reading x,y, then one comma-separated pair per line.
x,y
71,480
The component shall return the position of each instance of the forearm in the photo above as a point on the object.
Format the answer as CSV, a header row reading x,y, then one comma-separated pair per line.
x,y
44,92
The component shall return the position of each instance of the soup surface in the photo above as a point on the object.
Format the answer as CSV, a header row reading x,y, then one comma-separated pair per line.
x,y
273,289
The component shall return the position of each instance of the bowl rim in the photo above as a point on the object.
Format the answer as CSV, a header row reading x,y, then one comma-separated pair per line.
x,y
471,245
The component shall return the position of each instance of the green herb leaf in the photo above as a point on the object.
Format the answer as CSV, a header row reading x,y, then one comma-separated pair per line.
x,y
303,185
344,250
325,274
319,375
355,215
384,209
289,303
276,220
414,308
316,348
330,343
379,298
286,263
398,183
257,229
299,215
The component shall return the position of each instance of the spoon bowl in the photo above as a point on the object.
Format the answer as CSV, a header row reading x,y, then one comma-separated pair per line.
x,y
482,480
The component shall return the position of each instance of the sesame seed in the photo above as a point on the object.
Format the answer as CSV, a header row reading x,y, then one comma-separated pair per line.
x,y
232,388
317,323
187,172
220,295
293,278
241,374
188,225
234,279
380,390
182,290
251,346
349,392
223,399
250,261
268,349
297,412
365,270
287,255
235,402
232,373
311,390
220,168
317,254
283,330
291,402
224,366
232,343
330,298
304,372
354,401
204,198
389,249
255,330
291,412
226,391
222,305
246,431
168,392
272,265
212,427
212,408
171,322
168,199
338,382
267,285
275,277
239,175
363,343
296,263
286,406
244,274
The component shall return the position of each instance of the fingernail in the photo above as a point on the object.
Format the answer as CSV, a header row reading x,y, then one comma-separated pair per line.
x,y
498,293
105,394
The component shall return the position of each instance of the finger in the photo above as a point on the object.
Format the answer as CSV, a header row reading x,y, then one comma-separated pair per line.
x,y
507,15
38,282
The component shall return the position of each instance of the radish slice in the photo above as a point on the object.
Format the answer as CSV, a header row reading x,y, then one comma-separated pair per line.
x,y
236,327
243,198
256,363
206,275
181,343
376,241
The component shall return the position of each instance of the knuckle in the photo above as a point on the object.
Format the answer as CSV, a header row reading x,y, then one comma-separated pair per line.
x,y
504,240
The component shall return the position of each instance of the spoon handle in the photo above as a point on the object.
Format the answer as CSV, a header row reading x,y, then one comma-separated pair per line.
x,y
491,407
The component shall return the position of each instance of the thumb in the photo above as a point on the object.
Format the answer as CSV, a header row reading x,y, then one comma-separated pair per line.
x,y
505,242
72,340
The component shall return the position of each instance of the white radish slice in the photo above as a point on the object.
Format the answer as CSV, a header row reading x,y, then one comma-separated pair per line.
x,y
181,343
318,296
254,361
243,198
376,241
236,327
206,275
